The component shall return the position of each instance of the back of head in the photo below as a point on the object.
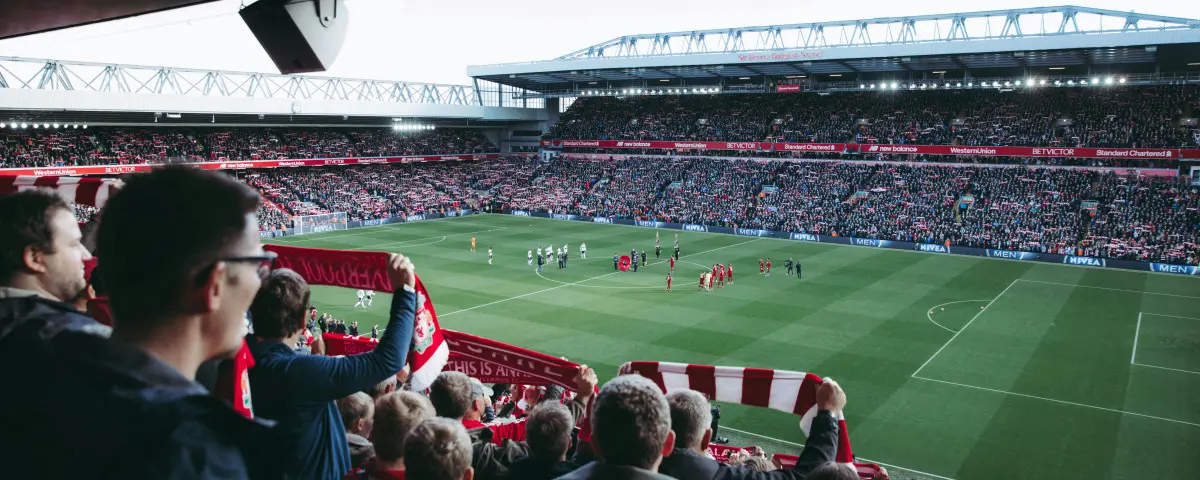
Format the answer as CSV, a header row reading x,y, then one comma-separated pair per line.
x,y
279,307
758,464
164,232
438,449
40,244
691,417
548,430
832,471
358,412
388,385
630,422
450,394
396,415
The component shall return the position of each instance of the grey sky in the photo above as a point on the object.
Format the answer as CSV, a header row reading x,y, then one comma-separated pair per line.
x,y
434,41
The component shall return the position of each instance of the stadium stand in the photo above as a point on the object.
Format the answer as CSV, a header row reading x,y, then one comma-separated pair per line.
x,y
117,146
1142,117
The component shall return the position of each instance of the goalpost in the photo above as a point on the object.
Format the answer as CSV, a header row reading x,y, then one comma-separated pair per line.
x,y
326,222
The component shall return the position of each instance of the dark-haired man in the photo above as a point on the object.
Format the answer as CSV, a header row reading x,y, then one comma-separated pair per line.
x,y
548,433
299,391
631,432
182,261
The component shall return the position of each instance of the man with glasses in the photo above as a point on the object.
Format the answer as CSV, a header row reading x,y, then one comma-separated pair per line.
x,y
182,263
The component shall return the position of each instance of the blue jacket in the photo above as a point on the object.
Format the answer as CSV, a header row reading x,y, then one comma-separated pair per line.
x,y
299,391
77,405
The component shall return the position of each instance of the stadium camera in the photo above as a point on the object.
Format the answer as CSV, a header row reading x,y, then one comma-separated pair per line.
x,y
300,36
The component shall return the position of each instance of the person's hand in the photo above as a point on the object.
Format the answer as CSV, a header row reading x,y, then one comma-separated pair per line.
x,y
585,382
402,376
531,395
318,344
881,475
831,397
401,272
737,457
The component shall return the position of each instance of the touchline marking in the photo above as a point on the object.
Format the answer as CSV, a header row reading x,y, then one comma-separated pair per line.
x,y
1108,288
576,283
1166,368
897,467
360,231
1136,331
964,328
442,237
1061,401
931,309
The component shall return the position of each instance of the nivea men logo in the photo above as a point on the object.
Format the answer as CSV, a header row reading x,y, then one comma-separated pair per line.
x,y
805,237
691,227
521,213
864,242
1168,268
321,229
646,223
604,220
561,216
1073,260
932,247
372,222
416,218
452,213
750,232
1009,254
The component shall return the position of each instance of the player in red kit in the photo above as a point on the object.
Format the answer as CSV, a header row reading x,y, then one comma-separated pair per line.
x,y
720,276
730,268
668,282
761,267
768,266
672,261
711,278
702,281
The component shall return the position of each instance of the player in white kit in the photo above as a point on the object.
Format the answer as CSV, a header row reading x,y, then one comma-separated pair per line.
x,y
529,258
583,250
489,255
362,302
370,297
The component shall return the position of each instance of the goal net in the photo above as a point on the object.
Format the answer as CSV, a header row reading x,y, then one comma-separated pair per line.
x,y
326,222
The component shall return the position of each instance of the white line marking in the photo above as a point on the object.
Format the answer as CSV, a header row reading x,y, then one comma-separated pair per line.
x,y
964,328
1171,316
897,467
359,231
1167,368
1061,401
576,283
442,237
587,286
1107,288
1136,331
930,311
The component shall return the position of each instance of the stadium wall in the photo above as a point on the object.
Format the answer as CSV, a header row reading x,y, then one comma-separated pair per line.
x,y
377,222
877,243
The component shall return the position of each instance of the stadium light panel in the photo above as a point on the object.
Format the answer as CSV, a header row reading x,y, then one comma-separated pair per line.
x,y
55,125
1007,84
959,84
894,85
1070,82
1095,80
970,84
24,125
664,80
743,78
1017,83
1108,81
1083,82
1122,80
1057,83
35,126
2,125
45,125
1042,82
933,85
872,85
862,85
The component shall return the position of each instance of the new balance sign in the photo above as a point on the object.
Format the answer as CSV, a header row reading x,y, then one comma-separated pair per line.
x,y
1073,260
633,144
933,247
691,227
805,237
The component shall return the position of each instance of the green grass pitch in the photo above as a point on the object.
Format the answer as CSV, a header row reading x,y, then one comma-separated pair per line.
x,y
1069,372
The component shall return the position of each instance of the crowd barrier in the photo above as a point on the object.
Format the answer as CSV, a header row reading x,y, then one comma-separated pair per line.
x,y
375,222
878,243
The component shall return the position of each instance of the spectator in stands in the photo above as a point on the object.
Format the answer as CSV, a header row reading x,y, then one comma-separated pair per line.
x,y
631,432
388,385
299,391
691,419
548,433
396,415
358,415
832,471
438,449
129,407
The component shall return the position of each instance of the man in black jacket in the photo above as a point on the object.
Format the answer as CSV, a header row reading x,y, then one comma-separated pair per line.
x,y
548,433
129,407
690,420
631,432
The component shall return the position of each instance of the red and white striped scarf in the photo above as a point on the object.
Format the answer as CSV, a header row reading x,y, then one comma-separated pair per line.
x,y
792,392
79,190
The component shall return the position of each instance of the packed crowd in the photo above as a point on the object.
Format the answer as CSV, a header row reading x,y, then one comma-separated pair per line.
x,y
1034,209
131,145
1142,117
157,383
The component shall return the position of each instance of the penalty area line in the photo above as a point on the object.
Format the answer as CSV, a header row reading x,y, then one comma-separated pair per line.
x,y
864,459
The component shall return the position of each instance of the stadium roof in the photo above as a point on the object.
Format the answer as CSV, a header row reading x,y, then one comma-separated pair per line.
x,y
1063,40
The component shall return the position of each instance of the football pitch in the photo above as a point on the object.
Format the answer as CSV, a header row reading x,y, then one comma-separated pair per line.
x,y
955,367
